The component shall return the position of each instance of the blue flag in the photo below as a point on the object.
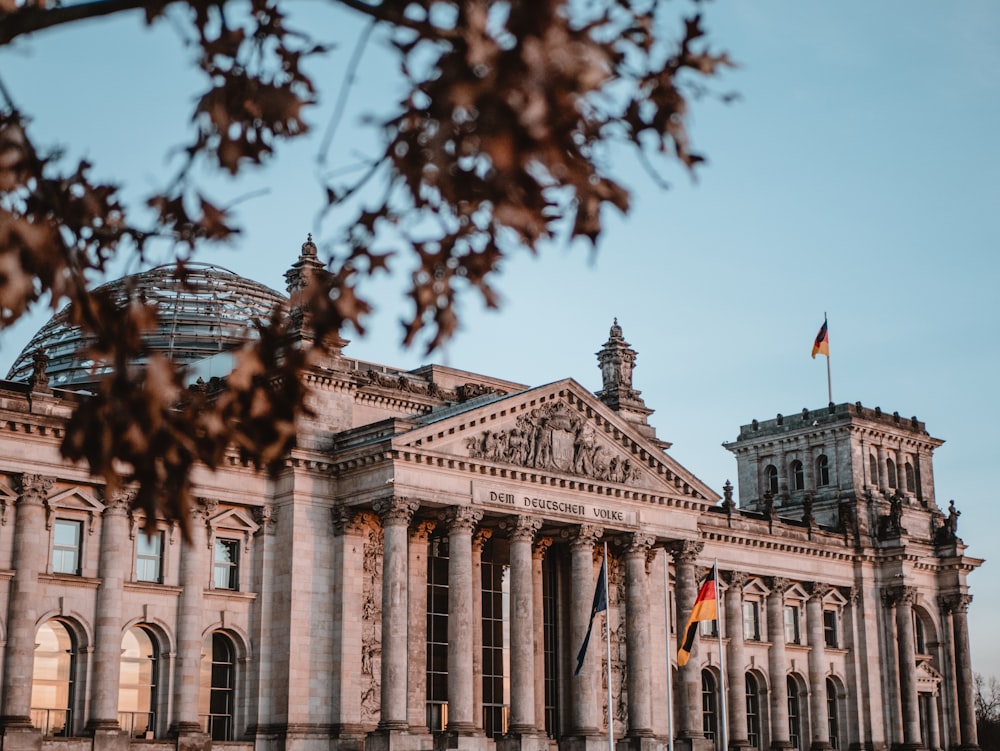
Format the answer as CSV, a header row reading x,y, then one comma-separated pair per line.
x,y
599,606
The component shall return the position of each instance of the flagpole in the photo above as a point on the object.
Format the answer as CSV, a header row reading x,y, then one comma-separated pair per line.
x,y
670,681
724,714
829,381
607,642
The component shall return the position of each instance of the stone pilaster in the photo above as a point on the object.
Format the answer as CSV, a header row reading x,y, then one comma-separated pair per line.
x,y
30,543
114,564
685,553
818,710
584,687
395,514
480,537
193,575
736,662
776,664
958,605
350,527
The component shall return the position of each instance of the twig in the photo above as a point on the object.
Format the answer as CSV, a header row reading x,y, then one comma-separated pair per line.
x,y
341,104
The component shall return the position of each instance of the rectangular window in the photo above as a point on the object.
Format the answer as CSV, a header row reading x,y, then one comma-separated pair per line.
x,y
149,557
226,569
66,547
792,635
751,620
830,628
708,628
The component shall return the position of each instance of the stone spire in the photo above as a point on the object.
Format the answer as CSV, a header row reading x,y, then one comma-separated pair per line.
x,y
617,361
296,280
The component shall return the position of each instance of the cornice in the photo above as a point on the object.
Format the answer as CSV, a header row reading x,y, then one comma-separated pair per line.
x,y
778,544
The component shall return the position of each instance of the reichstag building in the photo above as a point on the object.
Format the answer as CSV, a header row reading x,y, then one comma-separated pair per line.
x,y
420,575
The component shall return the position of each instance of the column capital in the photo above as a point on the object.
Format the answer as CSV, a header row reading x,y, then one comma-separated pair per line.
x,y
585,535
685,551
778,585
736,579
421,531
119,503
899,594
521,528
266,516
461,518
956,603
347,520
395,510
638,544
818,590
541,547
34,489
479,539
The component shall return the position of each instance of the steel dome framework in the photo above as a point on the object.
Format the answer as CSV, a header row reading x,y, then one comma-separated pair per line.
x,y
202,312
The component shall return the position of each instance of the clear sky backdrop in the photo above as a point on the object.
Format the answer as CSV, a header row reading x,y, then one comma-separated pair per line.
x,y
857,175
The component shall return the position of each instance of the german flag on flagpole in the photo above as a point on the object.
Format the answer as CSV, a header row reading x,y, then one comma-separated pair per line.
x,y
822,344
705,609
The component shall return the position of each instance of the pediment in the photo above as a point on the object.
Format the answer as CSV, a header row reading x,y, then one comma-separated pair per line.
x,y
235,520
561,431
75,498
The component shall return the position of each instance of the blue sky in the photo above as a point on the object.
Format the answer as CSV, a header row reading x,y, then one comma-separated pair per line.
x,y
856,175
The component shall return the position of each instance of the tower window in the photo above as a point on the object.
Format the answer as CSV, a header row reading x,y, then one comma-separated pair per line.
x,y
798,476
872,470
771,479
890,470
911,479
822,470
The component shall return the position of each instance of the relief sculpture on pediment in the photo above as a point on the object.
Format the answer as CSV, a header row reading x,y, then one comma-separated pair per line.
x,y
553,437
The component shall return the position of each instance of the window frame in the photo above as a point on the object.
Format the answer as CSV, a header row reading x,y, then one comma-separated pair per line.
x,y
822,471
831,628
231,568
143,556
751,625
57,547
792,618
798,473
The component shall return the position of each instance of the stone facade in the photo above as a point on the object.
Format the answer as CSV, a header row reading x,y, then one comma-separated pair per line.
x,y
421,573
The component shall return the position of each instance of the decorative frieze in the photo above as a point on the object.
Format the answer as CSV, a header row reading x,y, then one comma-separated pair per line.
x,y
553,437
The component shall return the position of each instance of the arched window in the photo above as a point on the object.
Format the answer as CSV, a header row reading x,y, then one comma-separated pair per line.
x,y
798,476
52,680
872,470
911,478
709,705
822,470
753,712
794,714
137,683
771,479
890,470
833,713
217,698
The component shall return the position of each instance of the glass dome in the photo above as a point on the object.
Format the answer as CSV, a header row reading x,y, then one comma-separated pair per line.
x,y
208,311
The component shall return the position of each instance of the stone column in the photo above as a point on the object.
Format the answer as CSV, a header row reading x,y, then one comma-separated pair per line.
x,y
819,714
883,471
959,606
584,687
903,597
777,664
522,531
638,639
417,710
114,563
396,514
933,723
537,557
688,698
30,543
193,574
461,522
736,661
